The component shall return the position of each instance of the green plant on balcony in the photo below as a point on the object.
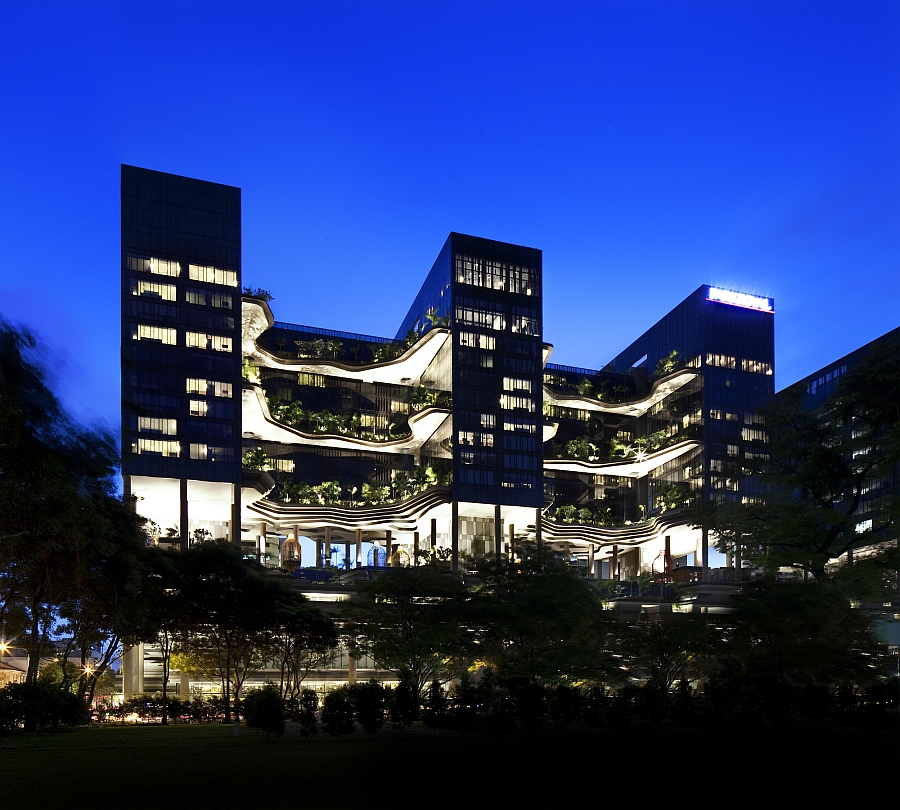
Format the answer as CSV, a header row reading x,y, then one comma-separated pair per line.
x,y
310,348
249,371
258,292
581,449
382,352
375,495
585,387
641,446
437,321
668,364
334,347
422,398
256,459
329,493
412,337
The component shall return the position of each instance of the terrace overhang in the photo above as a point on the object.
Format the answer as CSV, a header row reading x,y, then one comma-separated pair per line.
x,y
636,467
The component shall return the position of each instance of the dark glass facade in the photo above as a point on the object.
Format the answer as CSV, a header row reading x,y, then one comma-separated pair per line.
x,y
181,327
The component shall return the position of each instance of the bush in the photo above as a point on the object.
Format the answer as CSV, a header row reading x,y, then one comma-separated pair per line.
x,y
369,703
34,707
263,709
337,712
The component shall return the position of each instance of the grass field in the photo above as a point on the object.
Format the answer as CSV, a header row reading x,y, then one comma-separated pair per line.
x,y
202,767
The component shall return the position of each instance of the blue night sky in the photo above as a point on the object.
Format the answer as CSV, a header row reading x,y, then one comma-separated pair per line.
x,y
645,147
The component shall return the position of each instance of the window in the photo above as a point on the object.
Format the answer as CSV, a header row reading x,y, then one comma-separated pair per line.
x,y
483,478
756,366
473,438
488,420
715,465
517,481
715,413
750,456
199,407
204,298
200,340
731,417
512,461
519,426
284,464
157,447
152,424
496,275
753,435
475,316
212,275
864,526
161,334
508,402
516,384
751,418
151,289
159,267
199,452
196,385
723,360
313,380
475,341
525,322
732,449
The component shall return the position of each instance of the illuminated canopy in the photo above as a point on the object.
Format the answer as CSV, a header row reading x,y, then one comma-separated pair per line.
x,y
739,299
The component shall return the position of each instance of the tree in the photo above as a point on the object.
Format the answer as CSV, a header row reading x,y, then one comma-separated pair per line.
x,y
337,712
538,621
264,710
670,650
370,703
819,465
411,623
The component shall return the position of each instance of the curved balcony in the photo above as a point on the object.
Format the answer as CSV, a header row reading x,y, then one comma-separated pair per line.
x,y
630,467
259,424
402,516
407,369
549,430
679,520
636,407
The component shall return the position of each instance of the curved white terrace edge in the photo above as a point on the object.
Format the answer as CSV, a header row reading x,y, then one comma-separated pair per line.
x,y
259,424
636,407
631,467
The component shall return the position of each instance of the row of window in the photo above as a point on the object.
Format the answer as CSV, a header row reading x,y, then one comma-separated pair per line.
x,y
496,275
197,385
729,361
172,449
193,340
196,272
831,375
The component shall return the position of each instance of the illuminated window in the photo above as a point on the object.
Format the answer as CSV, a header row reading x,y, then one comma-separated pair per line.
x,y
756,366
496,275
715,465
157,447
158,333
150,289
753,435
715,413
314,380
199,407
731,417
751,418
196,385
475,341
219,343
509,402
196,340
222,389
195,295
199,452
864,526
488,420
470,438
284,464
519,426
151,424
159,267
733,449
516,384
722,360
212,275
474,316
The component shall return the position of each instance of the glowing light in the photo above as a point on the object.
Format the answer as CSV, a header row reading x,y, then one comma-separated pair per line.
x,y
739,299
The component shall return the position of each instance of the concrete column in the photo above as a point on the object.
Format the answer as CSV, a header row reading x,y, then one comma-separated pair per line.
x,y
184,517
297,538
184,685
327,553
139,669
128,673
737,561
433,532
236,514
704,553
347,556
512,542
498,532
415,548
667,560
351,670
614,564
537,528
318,553
590,566
358,548
454,536
388,548
261,544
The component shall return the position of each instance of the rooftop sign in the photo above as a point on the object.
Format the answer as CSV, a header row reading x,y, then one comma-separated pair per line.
x,y
739,299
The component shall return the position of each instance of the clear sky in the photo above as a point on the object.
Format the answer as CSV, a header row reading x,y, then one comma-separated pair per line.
x,y
645,147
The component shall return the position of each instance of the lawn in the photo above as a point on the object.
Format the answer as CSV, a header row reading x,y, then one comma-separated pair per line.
x,y
206,766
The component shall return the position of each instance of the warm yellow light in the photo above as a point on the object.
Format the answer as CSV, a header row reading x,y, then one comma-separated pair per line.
x,y
4,647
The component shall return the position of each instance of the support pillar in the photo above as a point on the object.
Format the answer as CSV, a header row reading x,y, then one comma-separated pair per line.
x,y
512,542
737,561
590,566
614,564
388,548
433,532
415,548
327,553
183,516
454,537
261,544
498,532
138,679
236,515
318,553
704,554
358,548
347,556
184,685
351,670
128,674
667,558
